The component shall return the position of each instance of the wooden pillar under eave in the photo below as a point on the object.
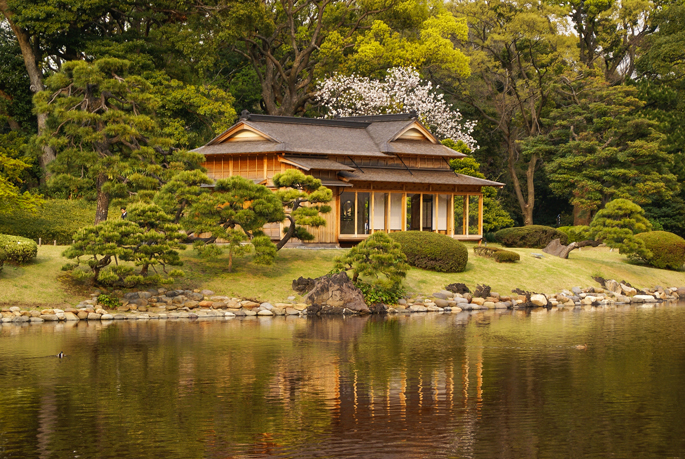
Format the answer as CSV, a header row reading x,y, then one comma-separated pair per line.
x,y
480,214
466,214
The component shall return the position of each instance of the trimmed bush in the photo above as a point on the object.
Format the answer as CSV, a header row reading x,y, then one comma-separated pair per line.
x,y
533,236
499,255
18,249
57,220
432,251
3,257
576,233
667,249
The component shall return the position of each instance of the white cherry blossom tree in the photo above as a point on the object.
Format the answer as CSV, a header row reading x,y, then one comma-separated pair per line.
x,y
402,91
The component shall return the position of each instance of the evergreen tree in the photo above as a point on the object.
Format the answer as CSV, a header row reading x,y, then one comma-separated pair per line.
x,y
12,167
616,225
305,200
377,257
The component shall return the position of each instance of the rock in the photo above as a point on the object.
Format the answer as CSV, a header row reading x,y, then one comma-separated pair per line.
x,y
265,312
267,306
680,291
94,316
434,308
82,315
628,291
119,316
36,320
441,303
337,290
249,304
207,292
645,298
300,306
558,249
577,290
206,304
478,301
303,285
538,299
292,312
416,308
195,296
18,319
489,304
458,288
191,304
501,305
71,317
482,291
537,255
442,295
402,301
250,312
49,317
461,300
100,311
109,316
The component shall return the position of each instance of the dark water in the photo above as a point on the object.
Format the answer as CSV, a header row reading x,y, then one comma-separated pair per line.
x,y
509,384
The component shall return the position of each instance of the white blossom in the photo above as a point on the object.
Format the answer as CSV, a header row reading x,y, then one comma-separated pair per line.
x,y
402,91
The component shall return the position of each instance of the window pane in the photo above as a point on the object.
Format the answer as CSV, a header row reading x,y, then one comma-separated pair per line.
x,y
427,217
473,215
363,205
459,202
443,209
413,212
396,211
347,213
379,200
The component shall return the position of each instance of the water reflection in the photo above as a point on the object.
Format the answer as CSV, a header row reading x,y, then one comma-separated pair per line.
x,y
493,384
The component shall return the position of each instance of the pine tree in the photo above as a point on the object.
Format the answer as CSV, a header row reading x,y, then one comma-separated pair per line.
x,y
377,257
616,225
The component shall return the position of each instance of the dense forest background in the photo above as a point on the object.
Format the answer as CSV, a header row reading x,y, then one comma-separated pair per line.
x,y
576,102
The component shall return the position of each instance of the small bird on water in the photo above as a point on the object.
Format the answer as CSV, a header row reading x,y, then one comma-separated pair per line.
x,y
61,354
581,347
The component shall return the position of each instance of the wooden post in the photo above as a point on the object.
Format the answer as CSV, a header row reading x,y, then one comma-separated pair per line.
x,y
230,167
480,214
420,212
450,216
386,214
265,174
404,211
356,212
40,241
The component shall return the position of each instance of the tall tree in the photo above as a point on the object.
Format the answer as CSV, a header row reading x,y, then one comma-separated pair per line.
x,y
517,53
103,126
603,148
291,43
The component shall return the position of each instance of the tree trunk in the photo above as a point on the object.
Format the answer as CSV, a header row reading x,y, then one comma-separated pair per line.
x,y
526,203
288,235
102,200
32,64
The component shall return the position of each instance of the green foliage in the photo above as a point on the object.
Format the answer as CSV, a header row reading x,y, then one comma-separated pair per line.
x,y
105,132
604,148
576,233
57,220
3,257
375,293
305,199
378,255
236,211
667,249
499,255
109,301
533,236
432,251
616,225
13,165
18,249
494,216
148,239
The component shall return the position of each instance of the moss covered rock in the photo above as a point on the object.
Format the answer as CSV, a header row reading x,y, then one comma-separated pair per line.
x,y
432,251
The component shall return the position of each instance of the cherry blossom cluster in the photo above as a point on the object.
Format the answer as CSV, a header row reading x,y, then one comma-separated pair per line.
x,y
402,91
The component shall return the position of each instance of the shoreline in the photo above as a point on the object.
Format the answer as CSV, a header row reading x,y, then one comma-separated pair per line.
x,y
163,304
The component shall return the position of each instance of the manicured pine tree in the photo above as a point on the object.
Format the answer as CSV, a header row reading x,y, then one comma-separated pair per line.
x,y
377,257
616,225
305,199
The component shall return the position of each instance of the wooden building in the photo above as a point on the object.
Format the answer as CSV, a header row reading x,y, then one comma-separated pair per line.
x,y
387,172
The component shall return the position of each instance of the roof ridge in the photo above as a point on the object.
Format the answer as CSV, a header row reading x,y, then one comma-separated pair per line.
x,y
337,122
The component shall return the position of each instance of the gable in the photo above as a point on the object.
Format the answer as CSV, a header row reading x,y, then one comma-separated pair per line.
x,y
246,135
415,131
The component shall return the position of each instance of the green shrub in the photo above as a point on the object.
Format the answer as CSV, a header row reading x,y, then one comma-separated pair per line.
x,y
432,251
667,249
375,256
3,257
374,293
533,236
57,220
499,255
576,233
109,301
18,249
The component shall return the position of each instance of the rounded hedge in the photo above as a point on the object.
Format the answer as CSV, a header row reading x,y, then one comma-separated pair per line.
x,y
533,236
18,249
668,249
3,257
432,251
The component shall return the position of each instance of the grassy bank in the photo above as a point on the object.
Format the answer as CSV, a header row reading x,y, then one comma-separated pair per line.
x,y
39,283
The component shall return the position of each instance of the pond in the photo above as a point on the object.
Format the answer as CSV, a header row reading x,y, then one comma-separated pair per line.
x,y
494,384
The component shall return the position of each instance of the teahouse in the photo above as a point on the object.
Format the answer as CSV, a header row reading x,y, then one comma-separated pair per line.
x,y
387,172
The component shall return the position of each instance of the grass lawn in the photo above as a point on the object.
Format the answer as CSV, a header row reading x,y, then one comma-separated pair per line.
x,y
39,284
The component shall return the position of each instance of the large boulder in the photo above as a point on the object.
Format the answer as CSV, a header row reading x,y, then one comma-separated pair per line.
x,y
335,294
303,284
458,288
558,249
